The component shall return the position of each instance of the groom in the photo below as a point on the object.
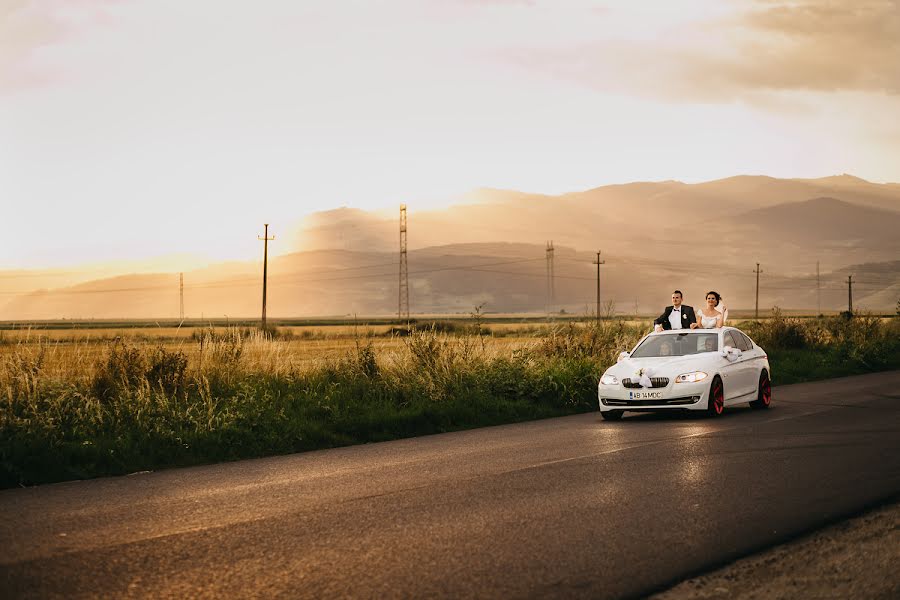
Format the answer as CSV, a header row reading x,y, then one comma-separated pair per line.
x,y
677,316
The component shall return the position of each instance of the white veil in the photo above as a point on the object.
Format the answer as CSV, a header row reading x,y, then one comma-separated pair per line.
x,y
724,312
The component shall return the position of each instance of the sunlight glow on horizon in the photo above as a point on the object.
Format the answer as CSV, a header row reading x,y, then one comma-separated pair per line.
x,y
161,128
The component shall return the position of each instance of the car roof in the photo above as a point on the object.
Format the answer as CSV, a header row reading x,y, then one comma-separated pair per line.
x,y
687,331
693,331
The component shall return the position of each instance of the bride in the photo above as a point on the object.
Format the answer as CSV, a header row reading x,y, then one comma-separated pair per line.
x,y
713,316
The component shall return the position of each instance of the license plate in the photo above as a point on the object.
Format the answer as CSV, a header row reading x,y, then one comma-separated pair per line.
x,y
645,395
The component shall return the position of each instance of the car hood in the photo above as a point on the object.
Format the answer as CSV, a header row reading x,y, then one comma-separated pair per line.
x,y
666,366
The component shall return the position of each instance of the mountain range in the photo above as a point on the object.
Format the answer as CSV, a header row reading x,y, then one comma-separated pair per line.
x,y
490,249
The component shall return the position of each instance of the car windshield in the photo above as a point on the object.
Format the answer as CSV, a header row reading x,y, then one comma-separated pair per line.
x,y
681,344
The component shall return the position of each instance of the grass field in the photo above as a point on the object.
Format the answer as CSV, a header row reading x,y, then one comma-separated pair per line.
x,y
109,400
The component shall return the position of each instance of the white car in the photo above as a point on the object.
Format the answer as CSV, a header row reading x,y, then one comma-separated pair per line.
x,y
693,369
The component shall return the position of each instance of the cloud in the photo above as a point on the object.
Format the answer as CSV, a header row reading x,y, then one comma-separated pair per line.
x,y
818,46
767,49
497,2
22,31
26,26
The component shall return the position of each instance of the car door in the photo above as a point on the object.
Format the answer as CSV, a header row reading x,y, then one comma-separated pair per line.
x,y
730,372
739,372
752,358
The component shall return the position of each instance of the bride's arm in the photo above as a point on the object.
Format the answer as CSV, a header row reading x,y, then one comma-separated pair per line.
x,y
720,321
698,314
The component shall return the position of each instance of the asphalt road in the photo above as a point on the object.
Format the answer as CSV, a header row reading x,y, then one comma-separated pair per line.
x,y
570,507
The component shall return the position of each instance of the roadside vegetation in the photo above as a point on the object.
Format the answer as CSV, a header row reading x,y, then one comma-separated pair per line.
x,y
812,349
111,406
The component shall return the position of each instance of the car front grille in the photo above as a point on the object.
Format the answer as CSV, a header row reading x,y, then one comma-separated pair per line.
x,y
656,382
686,400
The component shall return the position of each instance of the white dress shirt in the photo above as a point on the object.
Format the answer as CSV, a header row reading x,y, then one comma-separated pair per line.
x,y
675,317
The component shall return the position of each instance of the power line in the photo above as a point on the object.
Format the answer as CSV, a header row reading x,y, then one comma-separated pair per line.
x,y
872,282
529,274
286,279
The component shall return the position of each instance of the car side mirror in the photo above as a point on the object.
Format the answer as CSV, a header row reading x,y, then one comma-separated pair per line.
x,y
623,356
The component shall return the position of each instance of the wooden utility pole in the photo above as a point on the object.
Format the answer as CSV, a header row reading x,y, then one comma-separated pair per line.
x,y
551,283
265,238
818,292
403,300
598,262
850,294
757,271
181,295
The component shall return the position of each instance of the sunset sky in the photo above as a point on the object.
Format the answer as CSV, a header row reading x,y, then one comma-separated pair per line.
x,y
137,128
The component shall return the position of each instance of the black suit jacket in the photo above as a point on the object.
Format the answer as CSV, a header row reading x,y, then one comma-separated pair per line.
x,y
687,317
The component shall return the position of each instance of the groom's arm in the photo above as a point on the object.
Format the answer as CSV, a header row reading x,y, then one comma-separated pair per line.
x,y
662,318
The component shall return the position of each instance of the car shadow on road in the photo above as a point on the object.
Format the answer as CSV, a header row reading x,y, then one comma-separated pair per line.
x,y
683,415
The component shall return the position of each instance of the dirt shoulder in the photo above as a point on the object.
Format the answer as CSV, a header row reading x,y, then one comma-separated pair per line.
x,y
854,559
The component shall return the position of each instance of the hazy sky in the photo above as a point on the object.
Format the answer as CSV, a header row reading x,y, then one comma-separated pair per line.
x,y
136,128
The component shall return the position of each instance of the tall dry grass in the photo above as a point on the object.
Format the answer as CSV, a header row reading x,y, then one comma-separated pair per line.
x,y
82,409
77,409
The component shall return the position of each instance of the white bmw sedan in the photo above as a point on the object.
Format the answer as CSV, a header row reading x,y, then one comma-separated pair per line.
x,y
693,369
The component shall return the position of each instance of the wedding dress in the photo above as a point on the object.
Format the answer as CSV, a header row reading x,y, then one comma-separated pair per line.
x,y
724,313
708,322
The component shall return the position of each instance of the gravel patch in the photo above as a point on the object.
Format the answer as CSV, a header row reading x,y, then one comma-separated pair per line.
x,y
859,558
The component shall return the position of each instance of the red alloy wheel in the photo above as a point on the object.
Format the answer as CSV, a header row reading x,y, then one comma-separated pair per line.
x,y
764,396
716,398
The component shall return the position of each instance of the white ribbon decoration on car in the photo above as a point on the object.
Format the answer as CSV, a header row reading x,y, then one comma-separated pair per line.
x,y
642,375
732,354
645,378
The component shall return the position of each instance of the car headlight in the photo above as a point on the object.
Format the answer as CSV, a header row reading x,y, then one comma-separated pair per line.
x,y
692,377
609,380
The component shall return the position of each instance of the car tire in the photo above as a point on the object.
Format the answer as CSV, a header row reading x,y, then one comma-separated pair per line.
x,y
716,404
611,415
764,392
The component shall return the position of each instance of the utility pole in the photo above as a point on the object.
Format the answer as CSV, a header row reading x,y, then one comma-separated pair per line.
x,y
265,238
403,301
850,294
757,271
181,295
598,262
551,291
818,292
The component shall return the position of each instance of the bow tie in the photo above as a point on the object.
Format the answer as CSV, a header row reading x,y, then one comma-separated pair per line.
x,y
675,309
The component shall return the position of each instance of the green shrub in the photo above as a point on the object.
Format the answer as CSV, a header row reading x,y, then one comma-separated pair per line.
x,y
778,332
831,346
602,340
364,360
22,370
269,332
124,367
167,370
